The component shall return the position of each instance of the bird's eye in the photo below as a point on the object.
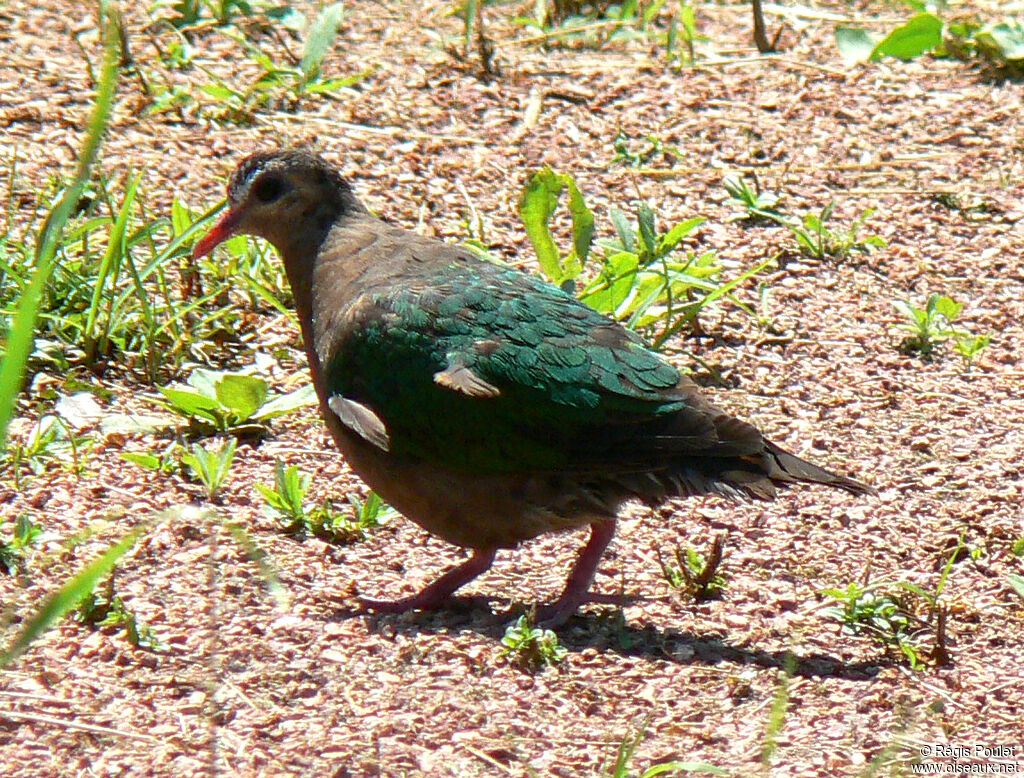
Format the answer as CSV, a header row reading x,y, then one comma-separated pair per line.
x,y
268,189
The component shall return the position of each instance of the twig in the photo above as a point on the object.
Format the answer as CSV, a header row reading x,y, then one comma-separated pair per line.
x,y
41,719
488,759
37,697
369,129
797,63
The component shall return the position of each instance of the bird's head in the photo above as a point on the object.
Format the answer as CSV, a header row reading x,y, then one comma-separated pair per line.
x,y
290,197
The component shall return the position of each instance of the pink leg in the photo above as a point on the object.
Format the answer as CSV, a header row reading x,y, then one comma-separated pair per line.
x,y
582,575
436,593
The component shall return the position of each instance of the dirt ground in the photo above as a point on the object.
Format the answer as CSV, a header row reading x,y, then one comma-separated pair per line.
x,y
252,686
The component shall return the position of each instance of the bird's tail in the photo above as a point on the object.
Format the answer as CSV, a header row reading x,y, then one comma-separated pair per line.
x,y
785,468
754,476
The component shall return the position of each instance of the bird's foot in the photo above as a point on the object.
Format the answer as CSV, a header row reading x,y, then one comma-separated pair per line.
x,y
437,593
577,588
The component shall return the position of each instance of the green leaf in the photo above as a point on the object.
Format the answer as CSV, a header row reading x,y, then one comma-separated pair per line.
x,y
321,35
1017,582
921,33
1008,37
945,306
241,394
286,403
536,206
148,461
205,381
623,228
671,239
648,231
855,44
218,91
686,767
287,17
582,221
192,404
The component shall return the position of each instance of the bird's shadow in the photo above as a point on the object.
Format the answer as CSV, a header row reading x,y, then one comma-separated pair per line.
x,y
607,630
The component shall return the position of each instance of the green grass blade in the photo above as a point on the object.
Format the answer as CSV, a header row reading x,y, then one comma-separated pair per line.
x,y
321,35
21,337
111,262
259,557
71,593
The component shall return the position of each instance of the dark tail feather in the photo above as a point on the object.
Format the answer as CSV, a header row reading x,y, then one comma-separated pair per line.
x,y
757,476
786,468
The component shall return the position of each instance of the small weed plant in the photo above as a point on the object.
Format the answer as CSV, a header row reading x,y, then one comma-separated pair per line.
x,y
644,278
814,238
14,548
597,25
694,574
997,46
214,401
210,467
166,461
881,614
109,299
620,768
628,153
286,500
932,325
305,77
754,204
532,648
107,609
899,615
50,442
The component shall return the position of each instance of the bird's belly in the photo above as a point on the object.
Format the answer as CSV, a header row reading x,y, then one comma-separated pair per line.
x,y
466,509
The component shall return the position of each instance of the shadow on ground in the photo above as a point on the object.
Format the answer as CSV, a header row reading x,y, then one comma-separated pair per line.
x,y
607,630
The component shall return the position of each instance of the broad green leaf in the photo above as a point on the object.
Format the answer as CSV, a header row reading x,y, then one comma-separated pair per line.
x,y
921,33
855,44
286,403
148,461
610,289
189,403
945,306
1008,36
241,394
205,381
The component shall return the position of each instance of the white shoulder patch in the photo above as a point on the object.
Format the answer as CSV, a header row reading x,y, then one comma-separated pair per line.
x,y
361,420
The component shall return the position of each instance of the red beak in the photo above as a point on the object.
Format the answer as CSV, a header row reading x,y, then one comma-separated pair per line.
x,y
220,232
